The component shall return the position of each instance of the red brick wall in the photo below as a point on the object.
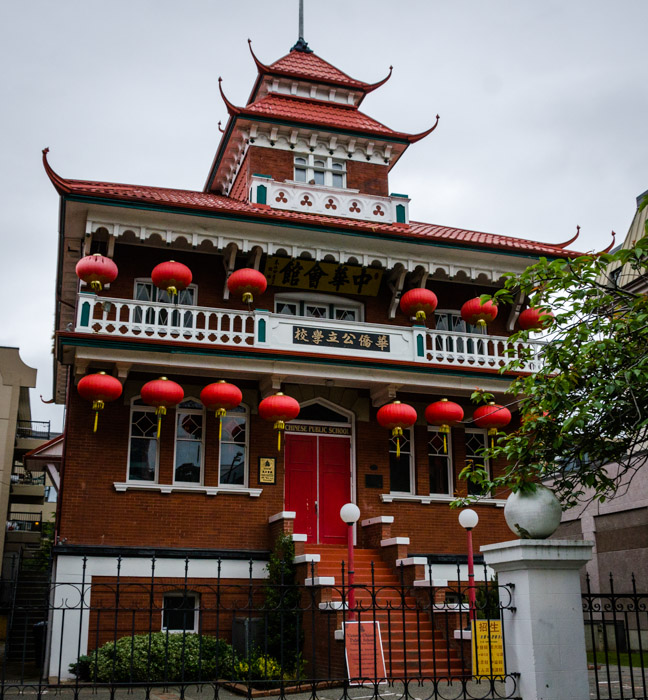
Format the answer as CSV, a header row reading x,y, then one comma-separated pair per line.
x,y
369,178
93,512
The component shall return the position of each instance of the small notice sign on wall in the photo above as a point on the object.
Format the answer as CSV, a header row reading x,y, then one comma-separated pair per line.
x,y
363,650
267,470
488,649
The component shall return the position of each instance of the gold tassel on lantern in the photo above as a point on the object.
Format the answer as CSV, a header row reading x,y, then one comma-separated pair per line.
x,y
492,432
279,426
97,406
398,434
220,413
159,412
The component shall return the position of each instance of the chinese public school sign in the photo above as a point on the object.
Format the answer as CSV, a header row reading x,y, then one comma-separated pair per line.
x,y
487,649
322,276
378,342
364,654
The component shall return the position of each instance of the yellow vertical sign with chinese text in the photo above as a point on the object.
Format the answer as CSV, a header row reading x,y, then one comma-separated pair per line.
x,y
487,649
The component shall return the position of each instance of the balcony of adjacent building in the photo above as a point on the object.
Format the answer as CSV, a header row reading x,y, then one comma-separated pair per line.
x,y
30,434
311,333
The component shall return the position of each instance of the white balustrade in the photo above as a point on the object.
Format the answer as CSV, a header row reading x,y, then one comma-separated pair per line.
x,y
195,324
332,201
159,321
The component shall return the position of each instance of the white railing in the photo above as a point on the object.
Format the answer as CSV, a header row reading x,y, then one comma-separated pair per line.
x,y
331,201
159,321
262,329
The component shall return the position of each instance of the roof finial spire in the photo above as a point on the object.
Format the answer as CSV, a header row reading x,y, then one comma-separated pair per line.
x,y
301,44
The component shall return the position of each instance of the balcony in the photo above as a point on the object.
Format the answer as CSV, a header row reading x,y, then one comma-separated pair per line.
x,y
37,429
330,201
123,318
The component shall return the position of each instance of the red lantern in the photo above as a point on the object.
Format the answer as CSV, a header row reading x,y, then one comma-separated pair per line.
x,y
221,397
444,413
99,388
279,409
247,282
171,276
397,416
419,302
535,319
478,314
493,417
96,270
162,393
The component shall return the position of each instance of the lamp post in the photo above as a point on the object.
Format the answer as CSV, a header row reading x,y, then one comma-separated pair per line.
x,y
350,514
468,519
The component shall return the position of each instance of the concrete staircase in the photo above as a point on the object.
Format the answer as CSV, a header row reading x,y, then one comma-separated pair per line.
x,y
412,646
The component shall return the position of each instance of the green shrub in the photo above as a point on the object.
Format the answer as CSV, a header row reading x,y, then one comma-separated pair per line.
x,y
157,657
264,671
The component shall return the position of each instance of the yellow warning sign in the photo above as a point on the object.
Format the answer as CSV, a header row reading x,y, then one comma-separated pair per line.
x,y
488,649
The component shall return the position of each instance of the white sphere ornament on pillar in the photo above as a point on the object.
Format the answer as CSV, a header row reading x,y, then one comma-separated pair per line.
x,y
350,513
533,515
468,519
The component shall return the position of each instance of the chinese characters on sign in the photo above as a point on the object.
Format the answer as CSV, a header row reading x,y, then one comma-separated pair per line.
x,y
267,470
378,342
322,276
487,648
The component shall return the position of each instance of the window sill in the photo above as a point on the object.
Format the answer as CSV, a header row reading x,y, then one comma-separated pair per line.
x,y
435,498
186,488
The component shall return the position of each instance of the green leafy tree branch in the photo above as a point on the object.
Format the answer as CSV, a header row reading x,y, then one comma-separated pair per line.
x,y
586,407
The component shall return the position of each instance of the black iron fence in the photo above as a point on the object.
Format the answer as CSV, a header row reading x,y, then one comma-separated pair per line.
x,y
34,429
131,623
616,638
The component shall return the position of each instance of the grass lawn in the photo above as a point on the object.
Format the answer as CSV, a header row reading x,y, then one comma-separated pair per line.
x,y
622,658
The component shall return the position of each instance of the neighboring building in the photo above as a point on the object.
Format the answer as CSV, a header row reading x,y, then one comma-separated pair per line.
x,y
619,525
299,189
18,434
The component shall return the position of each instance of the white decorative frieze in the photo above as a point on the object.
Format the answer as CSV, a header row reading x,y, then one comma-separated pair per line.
x,y
331,201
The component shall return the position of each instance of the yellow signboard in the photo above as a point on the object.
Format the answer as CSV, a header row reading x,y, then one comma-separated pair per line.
x,y
336,278
267,470
488,649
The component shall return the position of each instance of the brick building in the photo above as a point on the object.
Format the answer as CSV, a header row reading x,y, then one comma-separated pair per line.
x,y
299,189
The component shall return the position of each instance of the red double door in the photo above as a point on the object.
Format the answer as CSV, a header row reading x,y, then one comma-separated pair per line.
x,y
318,484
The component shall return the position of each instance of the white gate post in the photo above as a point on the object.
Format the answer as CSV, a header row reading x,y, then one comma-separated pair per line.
x,y
545,635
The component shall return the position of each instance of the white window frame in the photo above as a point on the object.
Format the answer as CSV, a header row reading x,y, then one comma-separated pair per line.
x,y
328,170
246,468
301,299
173,307
409,433
196,609
144,409
484,434
192,411
450,461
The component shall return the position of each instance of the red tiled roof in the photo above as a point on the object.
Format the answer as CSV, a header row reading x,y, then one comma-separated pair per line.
x,y
312,67
190,199
310,111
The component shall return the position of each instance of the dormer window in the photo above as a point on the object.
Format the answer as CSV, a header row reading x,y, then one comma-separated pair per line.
x,y
320,171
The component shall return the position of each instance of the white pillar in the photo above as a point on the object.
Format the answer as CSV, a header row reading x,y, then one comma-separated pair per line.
x,y
545,635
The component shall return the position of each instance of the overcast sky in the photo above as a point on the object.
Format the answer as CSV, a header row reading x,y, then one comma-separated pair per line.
x,y
543,106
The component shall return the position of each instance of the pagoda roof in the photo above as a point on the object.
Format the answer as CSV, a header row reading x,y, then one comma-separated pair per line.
x,y
320,113
215,204
306,65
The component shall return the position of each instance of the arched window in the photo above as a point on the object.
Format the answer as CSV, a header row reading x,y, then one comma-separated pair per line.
x,y
300,169
234,453
143,445
189,447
